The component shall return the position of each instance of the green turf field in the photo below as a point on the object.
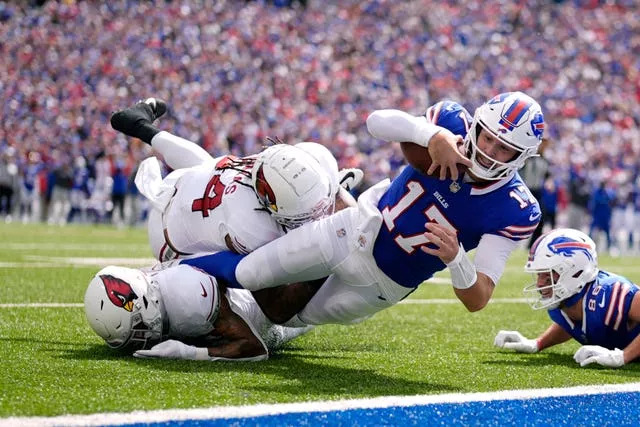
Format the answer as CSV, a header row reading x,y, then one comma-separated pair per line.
x,y
53,364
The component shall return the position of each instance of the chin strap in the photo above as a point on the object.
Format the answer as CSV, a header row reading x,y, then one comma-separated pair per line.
x,y
463,272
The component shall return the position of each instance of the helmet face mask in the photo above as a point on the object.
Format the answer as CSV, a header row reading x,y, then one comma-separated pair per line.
x,y
516,121
292,185
124,308
569,258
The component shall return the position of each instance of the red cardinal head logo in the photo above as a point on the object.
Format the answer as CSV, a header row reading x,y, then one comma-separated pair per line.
x,y
265,192
119,292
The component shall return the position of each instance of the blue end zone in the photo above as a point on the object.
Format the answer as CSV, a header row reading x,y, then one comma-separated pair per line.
x,y
595,409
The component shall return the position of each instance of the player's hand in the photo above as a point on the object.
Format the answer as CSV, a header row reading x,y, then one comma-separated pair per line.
x,y
445,151
172,349
514,340
588,354
444,238
350,178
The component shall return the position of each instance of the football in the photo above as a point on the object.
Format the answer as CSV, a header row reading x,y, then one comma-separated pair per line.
x,y
419,157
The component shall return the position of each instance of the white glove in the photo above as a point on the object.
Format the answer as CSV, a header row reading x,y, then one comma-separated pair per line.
x,y
350,178
172,349
588,354
514,340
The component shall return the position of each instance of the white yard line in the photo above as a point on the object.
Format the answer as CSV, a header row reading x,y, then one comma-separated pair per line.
x,y
223,412
407,301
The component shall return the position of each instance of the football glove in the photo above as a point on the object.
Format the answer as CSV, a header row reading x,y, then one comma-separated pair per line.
x,y
350,178
514,340
588,354
172,349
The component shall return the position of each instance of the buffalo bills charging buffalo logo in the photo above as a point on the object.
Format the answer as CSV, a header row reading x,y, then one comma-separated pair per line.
x,y
568,247
537,125
119,292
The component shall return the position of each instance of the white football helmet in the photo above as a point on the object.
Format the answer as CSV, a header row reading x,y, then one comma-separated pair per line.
x,y
327,161
124,308
569,253
516,120
292,185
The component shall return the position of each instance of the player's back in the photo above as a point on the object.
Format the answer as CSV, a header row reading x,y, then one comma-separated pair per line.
x,y
606,307
216,209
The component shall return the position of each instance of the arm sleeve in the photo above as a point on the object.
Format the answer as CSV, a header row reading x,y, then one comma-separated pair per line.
x,y
492,254
396,125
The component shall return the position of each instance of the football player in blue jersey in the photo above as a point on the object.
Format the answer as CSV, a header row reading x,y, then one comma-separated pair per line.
x,y
599,309
402,232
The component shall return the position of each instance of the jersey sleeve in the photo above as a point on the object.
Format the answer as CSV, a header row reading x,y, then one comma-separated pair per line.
x,y
492,254
616,302
517,218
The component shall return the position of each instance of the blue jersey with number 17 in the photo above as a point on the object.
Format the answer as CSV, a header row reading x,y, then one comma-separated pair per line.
x,y
504,208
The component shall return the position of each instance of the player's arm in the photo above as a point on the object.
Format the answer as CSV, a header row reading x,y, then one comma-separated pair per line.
x,y
554,335
238,342
473,283
632,351
514,340
442,144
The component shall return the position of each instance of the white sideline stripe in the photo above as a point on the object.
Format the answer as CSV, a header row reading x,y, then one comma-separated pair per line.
x,y
222,412
74,246
455,301
43,305
65,262
408,301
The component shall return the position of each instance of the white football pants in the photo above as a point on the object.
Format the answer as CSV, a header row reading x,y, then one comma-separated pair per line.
x,y
339,246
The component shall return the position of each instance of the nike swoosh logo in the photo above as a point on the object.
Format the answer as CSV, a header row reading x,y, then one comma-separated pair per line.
x,y
204,291
348,175
534,217
601,305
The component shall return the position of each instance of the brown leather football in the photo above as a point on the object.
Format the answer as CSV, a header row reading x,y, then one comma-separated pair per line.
x,y
419,157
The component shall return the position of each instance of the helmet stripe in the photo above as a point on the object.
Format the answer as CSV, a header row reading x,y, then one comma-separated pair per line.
x,y
514,113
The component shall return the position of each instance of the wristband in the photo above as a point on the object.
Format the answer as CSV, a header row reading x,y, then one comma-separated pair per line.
x,y
463,272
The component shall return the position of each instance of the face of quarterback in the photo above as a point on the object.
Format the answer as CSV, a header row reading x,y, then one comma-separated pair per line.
x,y
490,149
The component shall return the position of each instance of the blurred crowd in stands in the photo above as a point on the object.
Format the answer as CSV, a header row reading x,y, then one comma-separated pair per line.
x,y
235,72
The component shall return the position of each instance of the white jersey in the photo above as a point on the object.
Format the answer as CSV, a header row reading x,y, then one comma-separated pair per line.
x,y
188,300
211,209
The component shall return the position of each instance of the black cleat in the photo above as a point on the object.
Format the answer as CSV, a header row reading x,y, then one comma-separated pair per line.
x,y
137,121
158,106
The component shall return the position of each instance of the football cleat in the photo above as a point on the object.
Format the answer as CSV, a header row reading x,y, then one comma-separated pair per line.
x,y
135,121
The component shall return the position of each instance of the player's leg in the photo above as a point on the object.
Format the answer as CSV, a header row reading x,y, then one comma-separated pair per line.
x,y
137,122
340,303
178,152
307,253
